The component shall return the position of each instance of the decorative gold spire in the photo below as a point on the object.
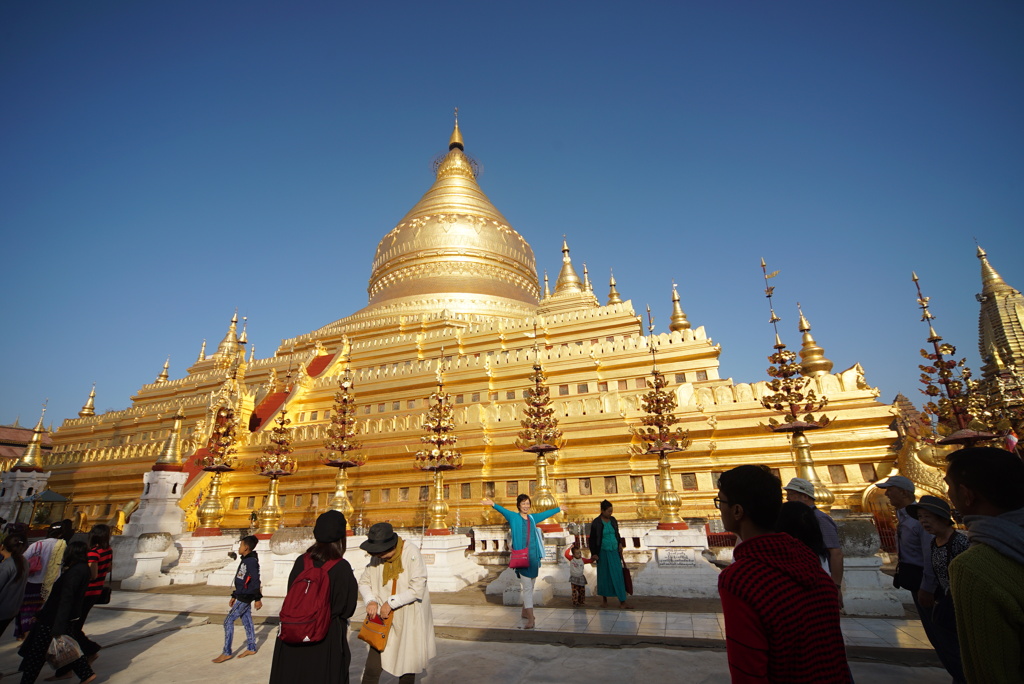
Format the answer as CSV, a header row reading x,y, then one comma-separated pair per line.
x,y
252,353
587,287
32,455
991,281
1000,325
812,357
613,294
456,139
89,408
170,455
567,281
678,320
547,287
926,315
202,352
244,337
164,374
228,347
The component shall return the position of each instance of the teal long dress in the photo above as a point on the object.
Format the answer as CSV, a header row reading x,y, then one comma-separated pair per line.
x,y
609,566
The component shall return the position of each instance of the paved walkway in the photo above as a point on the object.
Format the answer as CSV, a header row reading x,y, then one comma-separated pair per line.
x,y
893,640
172,637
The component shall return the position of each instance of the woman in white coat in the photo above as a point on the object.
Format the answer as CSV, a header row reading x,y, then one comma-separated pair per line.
x,y
410,644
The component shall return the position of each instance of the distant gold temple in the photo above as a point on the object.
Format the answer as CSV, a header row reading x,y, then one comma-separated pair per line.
x,y
453,281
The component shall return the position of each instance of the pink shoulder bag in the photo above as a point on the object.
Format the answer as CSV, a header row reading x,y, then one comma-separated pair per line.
x,y
521,557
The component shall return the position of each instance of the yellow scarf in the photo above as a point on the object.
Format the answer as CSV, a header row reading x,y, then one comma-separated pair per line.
x,y
393,566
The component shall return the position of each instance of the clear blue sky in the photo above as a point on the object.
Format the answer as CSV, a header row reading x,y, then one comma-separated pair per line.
x,y
164,162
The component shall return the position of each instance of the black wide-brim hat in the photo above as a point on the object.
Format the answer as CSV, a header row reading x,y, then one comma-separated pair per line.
x,y
380,538
934,505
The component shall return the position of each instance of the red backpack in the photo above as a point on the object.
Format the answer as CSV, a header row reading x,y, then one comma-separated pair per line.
x,y
306,613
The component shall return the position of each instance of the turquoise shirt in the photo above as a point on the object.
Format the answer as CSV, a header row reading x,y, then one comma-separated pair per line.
x,y
517,526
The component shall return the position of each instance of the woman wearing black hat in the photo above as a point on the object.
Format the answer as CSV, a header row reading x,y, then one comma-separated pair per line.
x,y
328,660
935,517
395,582
606,551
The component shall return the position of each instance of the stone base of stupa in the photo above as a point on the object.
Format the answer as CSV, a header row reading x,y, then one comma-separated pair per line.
x,y
677,567
867,591
448,566
158,509
151,550
200,557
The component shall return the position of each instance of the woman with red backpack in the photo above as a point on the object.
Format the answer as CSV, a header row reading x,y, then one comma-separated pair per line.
x,y
302,653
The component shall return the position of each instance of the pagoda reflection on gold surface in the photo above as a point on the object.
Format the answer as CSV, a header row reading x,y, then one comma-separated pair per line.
x,y
453,275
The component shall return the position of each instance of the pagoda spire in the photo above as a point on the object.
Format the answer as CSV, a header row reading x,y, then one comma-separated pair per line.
x,y
456,139
587,286
252,353
170,455
567,281
244,337
812,357
164,374
32,455
991,281
89,408
678,321
229,345
202,352
613,294
1000,323
547,287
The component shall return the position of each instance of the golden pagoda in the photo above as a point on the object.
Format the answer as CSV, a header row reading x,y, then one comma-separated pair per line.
x,y
454,281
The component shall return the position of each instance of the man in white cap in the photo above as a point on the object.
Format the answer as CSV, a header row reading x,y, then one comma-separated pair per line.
x,y
801,490
914,551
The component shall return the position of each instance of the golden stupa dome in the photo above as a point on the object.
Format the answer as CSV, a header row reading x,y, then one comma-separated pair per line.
x,y
454,250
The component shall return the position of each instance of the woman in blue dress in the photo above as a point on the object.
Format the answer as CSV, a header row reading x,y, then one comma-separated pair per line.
x,y
606,551
522,523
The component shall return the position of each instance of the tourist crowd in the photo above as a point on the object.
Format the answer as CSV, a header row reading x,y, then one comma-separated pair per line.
x,y
781,595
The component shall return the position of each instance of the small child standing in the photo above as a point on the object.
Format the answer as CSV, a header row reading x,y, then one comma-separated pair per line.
x,y
577,579
246,593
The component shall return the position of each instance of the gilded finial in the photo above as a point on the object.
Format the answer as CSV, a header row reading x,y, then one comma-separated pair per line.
x,y
163,374
244,337
769,290
547,288
30,457
613,294
567,281
89,408
812,357
170,455
678,321
202,352
650,340
252,353
229,345
587,287
926,314
991,281
456,139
